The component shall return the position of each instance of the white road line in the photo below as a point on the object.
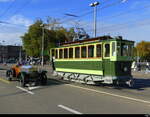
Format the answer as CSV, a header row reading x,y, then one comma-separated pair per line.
x,y
31,88
25,90
115,95
69,109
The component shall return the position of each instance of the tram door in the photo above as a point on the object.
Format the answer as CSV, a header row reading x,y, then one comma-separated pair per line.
x,y
106,59
99,51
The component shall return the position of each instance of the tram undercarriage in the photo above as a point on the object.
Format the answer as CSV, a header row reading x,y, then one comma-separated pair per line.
x,y
95,79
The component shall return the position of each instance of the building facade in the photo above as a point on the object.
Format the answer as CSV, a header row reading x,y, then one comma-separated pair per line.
x,y
9,52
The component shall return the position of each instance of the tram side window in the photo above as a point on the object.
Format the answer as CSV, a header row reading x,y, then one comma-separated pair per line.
x,y
83,52
77,52
107,50
91,51
70,52
65,53
56,53
53,52
98,50
113,49
60,53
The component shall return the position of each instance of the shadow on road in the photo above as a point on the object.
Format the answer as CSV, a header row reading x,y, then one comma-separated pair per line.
x,y
140,84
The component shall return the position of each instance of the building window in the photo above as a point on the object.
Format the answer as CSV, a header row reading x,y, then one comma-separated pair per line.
x,y
70,52
113,49
107,50
60,53
98,50
66,53
77,52
83,52
90,51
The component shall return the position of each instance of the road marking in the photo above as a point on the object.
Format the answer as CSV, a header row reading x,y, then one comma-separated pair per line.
x,y
69,109
115,95
31,88
5,81
25,90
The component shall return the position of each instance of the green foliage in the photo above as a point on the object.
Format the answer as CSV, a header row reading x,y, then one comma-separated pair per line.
x,y
53,33
143,50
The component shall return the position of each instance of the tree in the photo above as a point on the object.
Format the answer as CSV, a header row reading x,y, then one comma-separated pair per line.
x,y
32,39
53,35
143,50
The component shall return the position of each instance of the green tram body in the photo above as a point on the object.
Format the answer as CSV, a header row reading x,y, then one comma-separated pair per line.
x,y
103,59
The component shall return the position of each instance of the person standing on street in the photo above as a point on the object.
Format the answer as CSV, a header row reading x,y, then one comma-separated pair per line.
x,y
53,63
147,67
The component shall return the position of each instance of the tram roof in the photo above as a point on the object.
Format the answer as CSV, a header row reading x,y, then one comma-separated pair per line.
x,y
102,38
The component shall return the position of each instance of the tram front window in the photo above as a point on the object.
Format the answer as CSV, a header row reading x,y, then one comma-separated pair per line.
x,y
126,50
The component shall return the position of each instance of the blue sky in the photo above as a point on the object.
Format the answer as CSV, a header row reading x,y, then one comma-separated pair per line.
x,y
129,18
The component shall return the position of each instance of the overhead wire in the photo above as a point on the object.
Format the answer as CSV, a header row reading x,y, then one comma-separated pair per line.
x,y
125,25
8,23
126,12
91,11
22,7
7,9
18,10
83,14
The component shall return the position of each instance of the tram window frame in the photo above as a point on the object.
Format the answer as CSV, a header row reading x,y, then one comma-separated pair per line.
x,y
71,53
65,53
84,55
124,49
107,53
89,53
60,54
56,53
113,53
53,52
118,49
132,49
77,52
99,54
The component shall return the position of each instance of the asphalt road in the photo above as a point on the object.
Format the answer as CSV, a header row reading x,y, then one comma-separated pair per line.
x,y
61,97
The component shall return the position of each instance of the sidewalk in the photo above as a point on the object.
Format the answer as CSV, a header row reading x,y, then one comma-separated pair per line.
x,y
140,74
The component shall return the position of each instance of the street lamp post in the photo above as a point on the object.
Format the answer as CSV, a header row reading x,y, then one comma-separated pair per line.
x,y
20,55
42,62
3,54
95,4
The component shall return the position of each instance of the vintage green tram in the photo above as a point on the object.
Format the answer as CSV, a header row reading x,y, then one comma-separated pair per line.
x,y
102,59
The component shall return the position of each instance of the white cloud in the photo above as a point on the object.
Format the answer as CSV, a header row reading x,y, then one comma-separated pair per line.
x,y
6,0
123,1
11,33
20,20
11,38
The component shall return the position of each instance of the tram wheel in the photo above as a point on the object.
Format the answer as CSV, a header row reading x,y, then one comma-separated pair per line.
x,y
130,83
